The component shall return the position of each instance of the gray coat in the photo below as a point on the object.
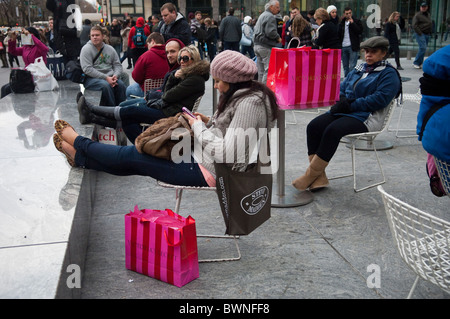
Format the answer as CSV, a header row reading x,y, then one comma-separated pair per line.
x,y
266,33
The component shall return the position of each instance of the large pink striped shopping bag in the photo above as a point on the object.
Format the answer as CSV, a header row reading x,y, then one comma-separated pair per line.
x,y
304,78
161,244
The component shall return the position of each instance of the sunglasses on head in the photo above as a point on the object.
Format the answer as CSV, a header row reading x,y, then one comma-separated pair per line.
x,y
184,58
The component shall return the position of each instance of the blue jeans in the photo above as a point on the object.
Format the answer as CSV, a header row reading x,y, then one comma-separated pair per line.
x,y
126,160
134,89
228,45
132,115
248,49
422,41
111,96
349,59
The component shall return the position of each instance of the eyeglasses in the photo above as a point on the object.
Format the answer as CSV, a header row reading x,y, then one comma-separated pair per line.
x,y
185,58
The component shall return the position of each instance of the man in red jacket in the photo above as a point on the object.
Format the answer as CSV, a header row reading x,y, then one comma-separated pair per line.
x,y
151,65
137,39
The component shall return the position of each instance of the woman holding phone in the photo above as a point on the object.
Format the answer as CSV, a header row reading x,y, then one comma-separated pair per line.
x,y
31,49
244,104
182,88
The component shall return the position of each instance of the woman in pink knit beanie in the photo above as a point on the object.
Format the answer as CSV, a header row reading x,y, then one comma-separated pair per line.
x,y
245,105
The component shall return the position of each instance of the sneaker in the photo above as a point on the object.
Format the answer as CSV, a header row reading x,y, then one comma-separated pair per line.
x,y
416,66
399,68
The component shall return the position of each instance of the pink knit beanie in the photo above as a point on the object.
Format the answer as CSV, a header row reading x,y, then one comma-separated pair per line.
x,y
232,67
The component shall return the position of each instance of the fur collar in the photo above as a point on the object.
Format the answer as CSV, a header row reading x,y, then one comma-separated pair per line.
x,y
198,68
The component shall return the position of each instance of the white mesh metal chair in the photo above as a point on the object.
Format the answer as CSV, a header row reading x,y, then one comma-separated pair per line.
x,y
443,169
178,196
152,84
369,137
422,241
416,98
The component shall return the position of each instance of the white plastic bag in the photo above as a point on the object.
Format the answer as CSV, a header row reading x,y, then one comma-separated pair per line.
x,y
43,78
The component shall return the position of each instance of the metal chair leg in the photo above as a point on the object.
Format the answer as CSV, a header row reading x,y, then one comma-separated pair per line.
x,y
413,288
222,259
178,195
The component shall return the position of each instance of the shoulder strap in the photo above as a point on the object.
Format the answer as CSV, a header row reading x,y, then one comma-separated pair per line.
x,y
98,54
428,115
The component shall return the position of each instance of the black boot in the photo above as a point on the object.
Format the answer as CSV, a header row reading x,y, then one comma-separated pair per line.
x,y
83,111
103,121
110,112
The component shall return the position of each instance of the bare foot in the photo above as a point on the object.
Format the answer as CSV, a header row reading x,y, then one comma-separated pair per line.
x,y
69,149
69,135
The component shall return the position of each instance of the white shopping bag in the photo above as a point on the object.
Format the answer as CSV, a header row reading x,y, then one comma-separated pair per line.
x,y
43,77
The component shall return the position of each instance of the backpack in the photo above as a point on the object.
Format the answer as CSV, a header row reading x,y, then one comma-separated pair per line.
x,y
139,39
21,81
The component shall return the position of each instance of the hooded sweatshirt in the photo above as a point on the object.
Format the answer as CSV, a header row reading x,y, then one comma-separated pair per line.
x,y
139,24
175,65
151,65
107,64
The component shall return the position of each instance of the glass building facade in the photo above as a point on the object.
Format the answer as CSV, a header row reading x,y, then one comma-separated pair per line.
x,y
371,12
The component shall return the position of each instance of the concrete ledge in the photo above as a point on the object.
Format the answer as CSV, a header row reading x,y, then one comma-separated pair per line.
x,y
45,205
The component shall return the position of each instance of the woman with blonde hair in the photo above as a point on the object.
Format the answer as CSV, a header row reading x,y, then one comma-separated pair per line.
x,y
183,87
301,29
393,33
244,105
326,34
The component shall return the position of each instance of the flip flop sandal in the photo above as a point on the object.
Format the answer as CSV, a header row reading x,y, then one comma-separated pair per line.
x,y
60,125
57,140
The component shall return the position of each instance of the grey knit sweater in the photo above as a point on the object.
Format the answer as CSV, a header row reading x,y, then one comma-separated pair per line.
x,y
222,139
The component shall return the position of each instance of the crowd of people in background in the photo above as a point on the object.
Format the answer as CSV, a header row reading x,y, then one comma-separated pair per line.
x,y
320,28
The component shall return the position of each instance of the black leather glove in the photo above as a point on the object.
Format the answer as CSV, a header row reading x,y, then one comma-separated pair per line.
x,y
342,106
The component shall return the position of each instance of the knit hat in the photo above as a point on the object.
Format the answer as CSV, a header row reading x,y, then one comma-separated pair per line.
x,y
331,8
233,67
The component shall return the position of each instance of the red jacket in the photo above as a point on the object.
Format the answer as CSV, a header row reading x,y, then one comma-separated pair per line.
x,y
151,65
139,24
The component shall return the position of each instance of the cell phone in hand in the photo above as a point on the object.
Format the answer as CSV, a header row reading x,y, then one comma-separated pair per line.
x,y
26,39
185,110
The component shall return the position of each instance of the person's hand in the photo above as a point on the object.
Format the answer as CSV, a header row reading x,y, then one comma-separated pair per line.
x,y
342,106
204,118
112,80
12,35
192,120
178,74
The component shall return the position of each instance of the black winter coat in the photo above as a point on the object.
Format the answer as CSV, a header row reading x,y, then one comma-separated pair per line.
x,y
66,37
355,31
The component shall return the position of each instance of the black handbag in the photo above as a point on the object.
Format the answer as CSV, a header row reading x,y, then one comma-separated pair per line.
x,y
21,81
245,197
75,73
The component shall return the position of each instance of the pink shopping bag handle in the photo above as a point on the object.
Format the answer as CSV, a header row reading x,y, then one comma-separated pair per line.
x,y
172,244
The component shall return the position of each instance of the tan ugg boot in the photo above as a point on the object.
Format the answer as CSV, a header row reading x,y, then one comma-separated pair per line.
x,y
321,181
315,169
